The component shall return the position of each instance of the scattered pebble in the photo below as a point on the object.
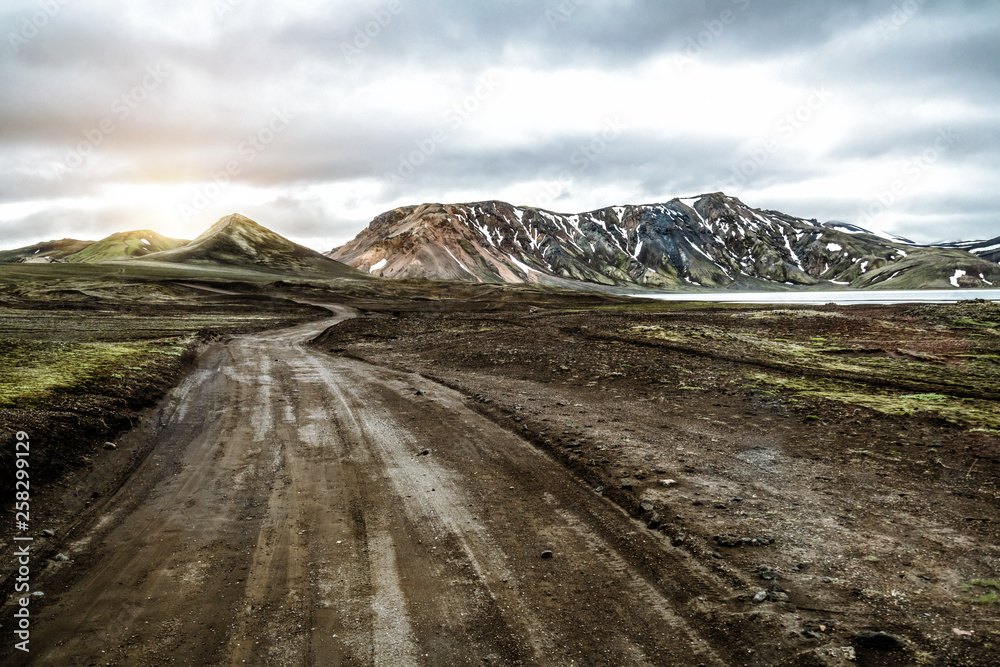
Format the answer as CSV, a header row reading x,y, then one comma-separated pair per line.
x,y
760,597
62,558
547,554
730,540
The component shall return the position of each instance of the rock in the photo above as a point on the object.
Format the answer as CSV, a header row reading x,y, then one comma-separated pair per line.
x,y
62,558
760,597
38,594
697,503
655,521
599,490
678,539
878,641
547,554
827,580
727,540
425,452
768,573
841,654
591,462
627,484
777,596
645,506
667,482
110,445
716,554
48,533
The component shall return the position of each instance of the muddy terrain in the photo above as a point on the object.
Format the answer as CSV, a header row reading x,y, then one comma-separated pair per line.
x,y
841,461
428,474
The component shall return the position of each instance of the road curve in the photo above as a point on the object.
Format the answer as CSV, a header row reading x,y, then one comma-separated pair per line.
x,y
300,508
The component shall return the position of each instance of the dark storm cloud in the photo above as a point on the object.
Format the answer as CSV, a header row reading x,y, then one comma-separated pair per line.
x,y
226,72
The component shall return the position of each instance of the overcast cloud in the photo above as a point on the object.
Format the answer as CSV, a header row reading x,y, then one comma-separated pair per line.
x,y
313,117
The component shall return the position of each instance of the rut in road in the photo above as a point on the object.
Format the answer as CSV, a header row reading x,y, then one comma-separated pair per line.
x,y
288,515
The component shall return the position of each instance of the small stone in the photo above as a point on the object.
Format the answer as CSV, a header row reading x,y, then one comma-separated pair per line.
x,y
678,539
62,558
726,540
778,596
425,452
599,490
716,554
38,594
737,499
760,597
827,580
646,506
627,484
655,521
110,445
768,573
48,533
668,482
697,503
547,554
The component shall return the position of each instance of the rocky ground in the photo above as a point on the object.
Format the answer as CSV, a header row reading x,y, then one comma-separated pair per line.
x,y
836,466
470,474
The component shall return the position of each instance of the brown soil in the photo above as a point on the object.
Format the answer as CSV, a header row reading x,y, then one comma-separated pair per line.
x,y
388,494
892,515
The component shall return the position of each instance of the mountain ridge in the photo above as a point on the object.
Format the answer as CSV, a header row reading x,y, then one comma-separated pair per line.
x,y
710,240
234,240
237,240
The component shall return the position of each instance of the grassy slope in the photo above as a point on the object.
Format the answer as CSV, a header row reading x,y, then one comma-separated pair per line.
x,y
126,244
83,347
48,249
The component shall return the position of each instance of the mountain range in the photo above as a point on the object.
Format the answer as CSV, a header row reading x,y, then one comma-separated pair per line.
x,y
235,241
711,240
708,241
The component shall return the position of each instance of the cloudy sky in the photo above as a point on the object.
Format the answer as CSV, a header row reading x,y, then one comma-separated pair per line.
x,y
313,117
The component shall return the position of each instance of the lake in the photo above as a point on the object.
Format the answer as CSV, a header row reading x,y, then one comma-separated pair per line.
x,y
840,297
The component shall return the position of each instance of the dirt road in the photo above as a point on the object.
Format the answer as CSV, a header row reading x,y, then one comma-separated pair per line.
x,y
300,508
